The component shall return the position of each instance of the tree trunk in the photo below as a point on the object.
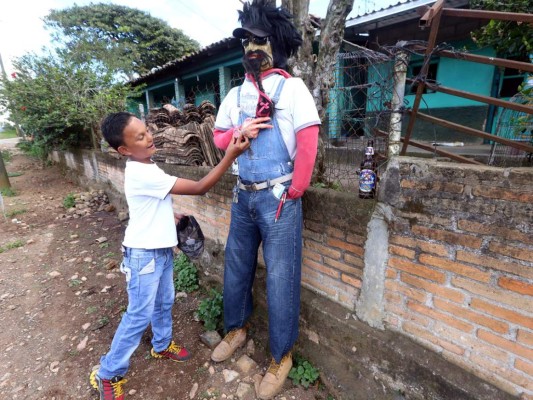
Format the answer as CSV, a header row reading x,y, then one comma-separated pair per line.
x,y
4,179
318,71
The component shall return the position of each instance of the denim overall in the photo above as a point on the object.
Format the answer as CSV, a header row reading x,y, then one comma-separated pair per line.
x,y
252,223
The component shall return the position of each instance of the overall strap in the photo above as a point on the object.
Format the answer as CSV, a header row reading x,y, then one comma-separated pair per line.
x,y
239,96
277,93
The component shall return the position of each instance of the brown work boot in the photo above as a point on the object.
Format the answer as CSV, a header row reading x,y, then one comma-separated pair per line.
x,y
231,342
275,377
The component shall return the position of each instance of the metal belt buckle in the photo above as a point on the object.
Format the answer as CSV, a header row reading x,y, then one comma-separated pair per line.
x,y
253,187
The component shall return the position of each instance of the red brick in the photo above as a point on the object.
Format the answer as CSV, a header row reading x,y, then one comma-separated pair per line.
x,y
311,255
439,316
402,251
516,285
416,269
336,233
391,273
524,366
421,333
501,371
433,288
511,251
464,313
394,309
448,237
352,248
493,263
525,337
335,254
492,229
354,260
355,239
503,194
403,241
321,268
412,293
503,313
433,248
502,343
350,280
495,294
470,342
455,267
343,267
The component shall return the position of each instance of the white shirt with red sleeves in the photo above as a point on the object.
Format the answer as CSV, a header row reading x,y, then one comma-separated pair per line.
x,y
295,109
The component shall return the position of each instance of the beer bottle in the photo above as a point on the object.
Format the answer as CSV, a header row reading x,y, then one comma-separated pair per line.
x,y
368,174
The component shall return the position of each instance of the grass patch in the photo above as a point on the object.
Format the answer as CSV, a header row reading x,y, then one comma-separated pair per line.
x,y
15,212
69,201
14,174
8,192
11,245
8,133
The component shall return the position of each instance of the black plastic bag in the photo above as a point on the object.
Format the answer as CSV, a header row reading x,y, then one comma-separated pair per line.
x,y
190,237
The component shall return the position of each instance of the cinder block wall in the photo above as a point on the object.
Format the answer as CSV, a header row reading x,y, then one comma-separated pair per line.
x,y
459,277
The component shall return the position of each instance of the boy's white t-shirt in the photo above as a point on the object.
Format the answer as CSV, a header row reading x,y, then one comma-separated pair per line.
x,y
295,109
151,225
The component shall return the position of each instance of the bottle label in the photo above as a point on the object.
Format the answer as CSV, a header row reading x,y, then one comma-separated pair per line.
x,y
367,180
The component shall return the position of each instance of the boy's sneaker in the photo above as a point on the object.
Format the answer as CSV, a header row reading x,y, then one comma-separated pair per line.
x,y
109,389
231,342
173,352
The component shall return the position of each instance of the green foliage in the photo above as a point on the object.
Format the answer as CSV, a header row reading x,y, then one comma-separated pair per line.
x,y
14,174
69,201
58,101
12,245
508,38
123,38
210,311
185,274
6,155
303,373
8,192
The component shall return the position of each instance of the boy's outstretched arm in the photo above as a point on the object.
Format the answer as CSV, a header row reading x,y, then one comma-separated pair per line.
x,y
189,187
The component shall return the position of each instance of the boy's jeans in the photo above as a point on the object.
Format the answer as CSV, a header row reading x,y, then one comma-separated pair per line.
x,y
149,278
252,222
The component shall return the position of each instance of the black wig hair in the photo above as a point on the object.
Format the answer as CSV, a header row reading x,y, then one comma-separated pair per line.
x,y
277,22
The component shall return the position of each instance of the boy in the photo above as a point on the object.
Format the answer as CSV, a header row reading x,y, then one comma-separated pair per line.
x,y
147,248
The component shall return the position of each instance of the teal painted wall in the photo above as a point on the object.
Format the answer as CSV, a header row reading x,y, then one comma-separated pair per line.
x,y
459,74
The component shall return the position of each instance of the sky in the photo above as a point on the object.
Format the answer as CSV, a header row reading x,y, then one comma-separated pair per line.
x,y
206,21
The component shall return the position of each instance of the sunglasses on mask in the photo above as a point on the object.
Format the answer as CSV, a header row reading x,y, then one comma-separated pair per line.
x,y
260,41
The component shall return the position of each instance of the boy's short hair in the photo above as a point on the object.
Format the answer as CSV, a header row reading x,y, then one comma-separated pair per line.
x,y
113,128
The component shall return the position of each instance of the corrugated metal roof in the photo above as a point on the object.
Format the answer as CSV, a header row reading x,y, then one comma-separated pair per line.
x,y
395,13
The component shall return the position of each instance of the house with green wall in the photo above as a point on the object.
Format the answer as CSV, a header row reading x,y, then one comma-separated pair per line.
x,y
363,86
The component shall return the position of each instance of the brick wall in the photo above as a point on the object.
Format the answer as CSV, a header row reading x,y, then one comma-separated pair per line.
x,y
457,276
334,224
460,270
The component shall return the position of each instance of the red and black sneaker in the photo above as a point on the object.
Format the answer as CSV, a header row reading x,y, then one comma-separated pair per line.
x,y
109,389
173,352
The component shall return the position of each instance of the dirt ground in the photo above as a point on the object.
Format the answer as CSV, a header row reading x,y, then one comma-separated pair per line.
x,y
61,299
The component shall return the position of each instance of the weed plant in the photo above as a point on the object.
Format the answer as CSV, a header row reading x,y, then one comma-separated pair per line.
x,y
210,311
303,373
185,275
